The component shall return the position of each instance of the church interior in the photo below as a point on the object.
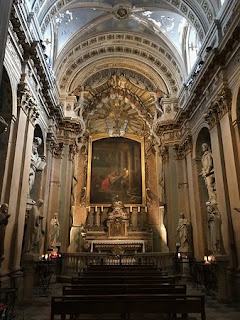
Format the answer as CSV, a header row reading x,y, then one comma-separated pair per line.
x,y
120,146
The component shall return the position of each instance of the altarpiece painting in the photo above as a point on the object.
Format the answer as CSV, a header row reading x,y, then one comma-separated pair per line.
x,y
116,168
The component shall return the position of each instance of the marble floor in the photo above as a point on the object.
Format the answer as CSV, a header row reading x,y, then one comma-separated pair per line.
x,y
39,308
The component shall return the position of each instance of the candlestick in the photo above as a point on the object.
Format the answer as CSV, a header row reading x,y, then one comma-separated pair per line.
x,y
101,208
130,208
139,209
95,208
89,209
146,209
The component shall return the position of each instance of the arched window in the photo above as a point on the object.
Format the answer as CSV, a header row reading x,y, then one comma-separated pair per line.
x,y
192,47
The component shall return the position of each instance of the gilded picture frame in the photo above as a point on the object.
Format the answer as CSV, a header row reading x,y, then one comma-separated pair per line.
x,y
116,166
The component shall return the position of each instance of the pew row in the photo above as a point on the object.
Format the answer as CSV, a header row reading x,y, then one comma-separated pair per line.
x,y
128,305
124,289
111,279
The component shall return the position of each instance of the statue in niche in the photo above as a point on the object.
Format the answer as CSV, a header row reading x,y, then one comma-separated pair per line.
x,y
183,234
214,228
4,216
34,229
208,172
54,230
37,163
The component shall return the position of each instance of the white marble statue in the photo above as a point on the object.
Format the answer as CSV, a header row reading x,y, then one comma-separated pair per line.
x,y
4,216
33,232
54,230
37,163
208,172
214,229
183,235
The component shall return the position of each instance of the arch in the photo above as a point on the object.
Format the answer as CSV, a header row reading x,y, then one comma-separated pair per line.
x,y
6,99
203,138
146,50
203,132
36,189
155,73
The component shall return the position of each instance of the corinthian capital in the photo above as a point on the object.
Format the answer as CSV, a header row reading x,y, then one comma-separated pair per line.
x,y
28,104
219,107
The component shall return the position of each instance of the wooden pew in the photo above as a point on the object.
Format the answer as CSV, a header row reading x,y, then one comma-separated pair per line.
x,y
99,280
124,289
124,273
127,305
124,276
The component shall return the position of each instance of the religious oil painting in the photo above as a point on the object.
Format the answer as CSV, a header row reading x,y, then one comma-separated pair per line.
x,y
116,170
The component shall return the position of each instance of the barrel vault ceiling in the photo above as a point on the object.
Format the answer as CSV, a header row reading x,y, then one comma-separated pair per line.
x,y
152,44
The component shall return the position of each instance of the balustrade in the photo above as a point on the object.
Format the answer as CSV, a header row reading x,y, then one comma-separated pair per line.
x,y
73,263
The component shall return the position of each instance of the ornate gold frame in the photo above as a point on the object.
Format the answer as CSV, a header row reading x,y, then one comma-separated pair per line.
x,y
129,136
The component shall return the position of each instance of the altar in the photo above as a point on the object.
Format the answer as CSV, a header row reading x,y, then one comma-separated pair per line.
x,y
118,230
120,246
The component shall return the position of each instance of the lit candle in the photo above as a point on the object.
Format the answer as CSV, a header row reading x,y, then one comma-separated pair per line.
x,y
130,208
46,256
96,208
179,255
205,258
101,208
139,209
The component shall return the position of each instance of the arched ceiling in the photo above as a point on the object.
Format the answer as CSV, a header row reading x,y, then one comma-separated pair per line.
x,y
156,41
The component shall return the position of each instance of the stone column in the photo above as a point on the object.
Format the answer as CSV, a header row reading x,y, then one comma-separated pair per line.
x,y
196,207
232,174
222,190
170,176
65,195
227,170
181,152
55,184
161,196
18,183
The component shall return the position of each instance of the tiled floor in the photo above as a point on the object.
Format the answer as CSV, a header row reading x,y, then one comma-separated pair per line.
x,y
39,308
